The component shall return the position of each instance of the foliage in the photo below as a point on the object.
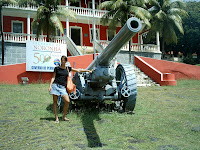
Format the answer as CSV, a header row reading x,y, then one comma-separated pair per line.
x,y
47,18
189,43
121,10
167,20
165,118
28,2
190,60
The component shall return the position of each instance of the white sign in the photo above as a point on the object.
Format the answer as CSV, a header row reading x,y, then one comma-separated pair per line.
x,y
43,56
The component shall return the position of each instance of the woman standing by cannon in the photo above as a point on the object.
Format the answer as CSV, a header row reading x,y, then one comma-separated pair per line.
x,y
58,84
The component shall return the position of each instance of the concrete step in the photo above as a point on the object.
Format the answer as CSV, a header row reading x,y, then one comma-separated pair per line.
x,y
142,79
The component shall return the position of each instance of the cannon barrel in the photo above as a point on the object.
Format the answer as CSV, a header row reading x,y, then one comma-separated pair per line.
x,y
132,26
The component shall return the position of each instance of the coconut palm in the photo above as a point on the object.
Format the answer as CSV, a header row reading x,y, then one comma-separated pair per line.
x,y
167,20
47,18
3,3
121,10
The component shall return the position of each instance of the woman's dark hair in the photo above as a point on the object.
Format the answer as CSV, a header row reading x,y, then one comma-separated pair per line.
x,y
64,57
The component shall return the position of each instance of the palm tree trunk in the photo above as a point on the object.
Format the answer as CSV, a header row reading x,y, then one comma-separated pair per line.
x,y
2,37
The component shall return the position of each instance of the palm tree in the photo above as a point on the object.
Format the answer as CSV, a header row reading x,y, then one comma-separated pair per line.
x,y
47,18
121,10
3,3
167,20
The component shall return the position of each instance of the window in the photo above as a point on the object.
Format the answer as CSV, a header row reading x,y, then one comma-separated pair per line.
x,y
17,27
90,5
65,31
91,35
110,34
75,4
34,30
56,32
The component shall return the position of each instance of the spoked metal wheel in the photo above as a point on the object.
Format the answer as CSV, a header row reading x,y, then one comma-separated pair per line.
x,y
127,86
74,96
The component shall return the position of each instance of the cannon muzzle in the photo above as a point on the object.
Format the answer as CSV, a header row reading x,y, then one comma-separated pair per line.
x,y
132,26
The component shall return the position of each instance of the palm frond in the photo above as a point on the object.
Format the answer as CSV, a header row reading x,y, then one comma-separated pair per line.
x,y
170,35
105,19
177,24
154,3
106,5
66,12
118,4
178,4
56,21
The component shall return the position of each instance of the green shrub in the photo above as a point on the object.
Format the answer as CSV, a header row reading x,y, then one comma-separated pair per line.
x,y
190,60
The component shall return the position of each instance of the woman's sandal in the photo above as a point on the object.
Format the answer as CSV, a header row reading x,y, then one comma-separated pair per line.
x,y
65,119
57,121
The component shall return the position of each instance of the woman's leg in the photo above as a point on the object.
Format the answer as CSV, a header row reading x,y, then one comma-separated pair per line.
x,y
66,106
55,99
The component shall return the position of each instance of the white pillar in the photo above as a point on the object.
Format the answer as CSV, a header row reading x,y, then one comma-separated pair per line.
x,y
28,26
157,40
94,29
67,21
141,42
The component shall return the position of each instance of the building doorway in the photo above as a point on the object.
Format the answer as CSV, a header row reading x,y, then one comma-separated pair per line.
x,y
76,35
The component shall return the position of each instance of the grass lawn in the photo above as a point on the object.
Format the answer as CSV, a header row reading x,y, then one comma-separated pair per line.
x,y
166,117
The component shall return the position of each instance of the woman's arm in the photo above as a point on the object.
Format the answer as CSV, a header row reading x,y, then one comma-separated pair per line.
x,y
51,82
81,70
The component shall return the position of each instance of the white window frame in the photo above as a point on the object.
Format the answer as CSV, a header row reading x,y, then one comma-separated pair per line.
x,y
110,30
79,1
16,21
97,35
90,4
75,27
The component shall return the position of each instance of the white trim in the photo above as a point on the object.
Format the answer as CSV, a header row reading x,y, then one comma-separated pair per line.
x,y
75,27
98,31
161,74
17,21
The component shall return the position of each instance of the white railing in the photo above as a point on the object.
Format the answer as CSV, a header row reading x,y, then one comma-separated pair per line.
x,y
73,49
28,7
88,11
135,47
78,10
21,38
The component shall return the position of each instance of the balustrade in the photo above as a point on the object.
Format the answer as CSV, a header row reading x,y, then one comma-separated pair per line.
x,y
79,10
135,47
21,38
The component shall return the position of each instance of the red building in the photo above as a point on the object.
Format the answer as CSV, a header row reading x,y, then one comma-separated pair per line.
x,y
17,27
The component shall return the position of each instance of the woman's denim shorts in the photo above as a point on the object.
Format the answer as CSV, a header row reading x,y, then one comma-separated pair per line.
x,y
58,89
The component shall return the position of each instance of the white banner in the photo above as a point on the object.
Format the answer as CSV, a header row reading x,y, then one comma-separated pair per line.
x,y
43,56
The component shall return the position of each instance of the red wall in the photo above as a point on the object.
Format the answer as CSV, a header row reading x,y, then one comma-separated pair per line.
x,y
11,74
157,76
181,71
7,23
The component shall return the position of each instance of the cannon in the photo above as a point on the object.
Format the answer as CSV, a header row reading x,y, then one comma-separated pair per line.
x,y
107,82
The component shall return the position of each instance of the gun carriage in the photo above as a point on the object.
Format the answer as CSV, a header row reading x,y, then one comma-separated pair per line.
x,y
107,82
